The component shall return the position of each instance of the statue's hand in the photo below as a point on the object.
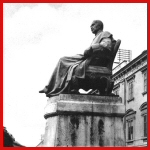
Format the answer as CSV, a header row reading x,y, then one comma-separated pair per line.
x,y
97,47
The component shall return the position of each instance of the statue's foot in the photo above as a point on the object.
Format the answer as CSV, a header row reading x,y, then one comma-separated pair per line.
x,y
44,90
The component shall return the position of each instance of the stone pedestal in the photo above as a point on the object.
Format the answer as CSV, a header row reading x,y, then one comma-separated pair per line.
x,y
84,120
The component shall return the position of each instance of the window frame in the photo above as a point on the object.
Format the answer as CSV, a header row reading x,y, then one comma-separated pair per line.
x,y
145,81
130,129
130,117
130,88
143,109
145,125
116,89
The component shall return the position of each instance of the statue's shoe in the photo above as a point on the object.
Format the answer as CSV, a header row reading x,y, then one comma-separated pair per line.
x,y
44,90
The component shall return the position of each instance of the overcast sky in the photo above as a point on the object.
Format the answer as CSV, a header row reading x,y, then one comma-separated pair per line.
x,y
37,35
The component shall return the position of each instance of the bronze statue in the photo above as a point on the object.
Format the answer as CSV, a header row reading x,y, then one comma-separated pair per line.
x,y
92,70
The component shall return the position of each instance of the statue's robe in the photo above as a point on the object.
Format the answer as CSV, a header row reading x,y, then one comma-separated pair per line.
x,y
66,65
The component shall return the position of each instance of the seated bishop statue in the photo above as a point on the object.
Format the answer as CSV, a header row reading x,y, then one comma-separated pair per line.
x,y
90,71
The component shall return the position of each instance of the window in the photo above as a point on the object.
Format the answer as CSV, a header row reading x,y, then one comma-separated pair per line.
x,y
130,88
145,125
116,89
143,109
130,126
145,81
130,130
116,92
144,72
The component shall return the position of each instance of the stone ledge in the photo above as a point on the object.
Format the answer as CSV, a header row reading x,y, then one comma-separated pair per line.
x,y
70,113
93,98
85,105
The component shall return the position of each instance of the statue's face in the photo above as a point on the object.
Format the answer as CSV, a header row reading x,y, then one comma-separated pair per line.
x,y
95,27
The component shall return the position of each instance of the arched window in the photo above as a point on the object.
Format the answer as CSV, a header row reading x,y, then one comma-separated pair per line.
x,y
143,109
130,125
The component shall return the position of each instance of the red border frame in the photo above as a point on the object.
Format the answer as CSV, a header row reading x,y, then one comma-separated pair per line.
x,y
61,1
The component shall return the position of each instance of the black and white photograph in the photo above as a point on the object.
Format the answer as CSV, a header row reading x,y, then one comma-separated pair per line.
x,y
75,74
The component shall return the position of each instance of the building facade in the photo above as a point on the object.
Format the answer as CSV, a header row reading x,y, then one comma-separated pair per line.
x,y
131,85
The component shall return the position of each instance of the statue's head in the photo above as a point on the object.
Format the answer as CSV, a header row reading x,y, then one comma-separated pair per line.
x,y
96,26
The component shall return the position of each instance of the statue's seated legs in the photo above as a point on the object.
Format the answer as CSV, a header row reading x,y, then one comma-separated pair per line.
x,y
97,75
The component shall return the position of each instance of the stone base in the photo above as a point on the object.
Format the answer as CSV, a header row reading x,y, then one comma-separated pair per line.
x,y
84,120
